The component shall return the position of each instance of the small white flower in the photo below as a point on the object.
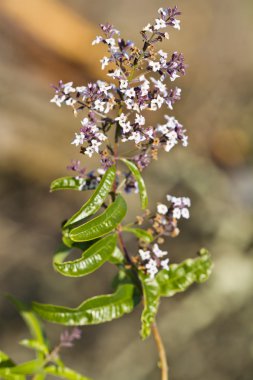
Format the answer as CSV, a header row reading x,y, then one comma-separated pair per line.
x,y
153,105
130,93
101,171
121,119
163,54
167,36
160,24
148,28
162,209
104,87
174,76
104,62
110,41
154,65
139,119
177,213
137,137
158,252
159,101
89,151
176,24
164,264
178,91
70,102
99,105
58,100
186,201
126,127
97,40
123,84
129,103
81,88
185,213
79,138
101,136
149,132
95,145
115,74
145,255
67,88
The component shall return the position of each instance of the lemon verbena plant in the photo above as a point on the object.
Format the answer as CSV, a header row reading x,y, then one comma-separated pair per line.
x,y
114,115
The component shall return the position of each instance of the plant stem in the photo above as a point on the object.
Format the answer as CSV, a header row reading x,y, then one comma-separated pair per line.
x,y
163,364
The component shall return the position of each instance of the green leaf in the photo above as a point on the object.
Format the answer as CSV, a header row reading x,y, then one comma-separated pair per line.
x,y
5,368
180,276
97,199
68,183
28,368
151,298
93,311
141,184
116,257
32,323
64,372
102,224
140,234
34,345
91,259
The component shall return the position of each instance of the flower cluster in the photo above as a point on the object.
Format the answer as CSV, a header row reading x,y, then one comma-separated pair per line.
x,y
165,221
153,260
139,86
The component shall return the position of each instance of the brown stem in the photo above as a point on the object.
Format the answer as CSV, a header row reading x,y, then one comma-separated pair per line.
x,y
162,354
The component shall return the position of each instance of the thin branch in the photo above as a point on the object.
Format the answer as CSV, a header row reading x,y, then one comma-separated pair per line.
x,y
163,364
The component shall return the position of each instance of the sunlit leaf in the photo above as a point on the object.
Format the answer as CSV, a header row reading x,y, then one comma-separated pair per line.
x,y
151,297
64,372
28,368
141,184
92,259
116,257
93,311
139,233
180,276
102,224
97,199
68,183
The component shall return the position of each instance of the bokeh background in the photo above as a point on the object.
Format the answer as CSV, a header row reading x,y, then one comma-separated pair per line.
x,y
208,331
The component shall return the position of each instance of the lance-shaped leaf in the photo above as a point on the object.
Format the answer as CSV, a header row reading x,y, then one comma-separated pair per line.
x,y
68,183
93,311
6,364
92,259
151,297
180,276
97,199
34,345
102,224
140,234
64,372
116,257
141,184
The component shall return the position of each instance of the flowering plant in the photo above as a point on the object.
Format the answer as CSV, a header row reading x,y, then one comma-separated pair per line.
x,y
114,115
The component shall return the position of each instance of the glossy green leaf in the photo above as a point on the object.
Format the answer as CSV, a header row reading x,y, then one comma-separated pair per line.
x,y
102,224
64,372
93,311
151,297
140,234
34,345
97,199
5,360
180,276
68,183
141,184
92,259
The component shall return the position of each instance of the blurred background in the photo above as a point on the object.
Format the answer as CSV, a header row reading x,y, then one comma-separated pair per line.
x,y
208,331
